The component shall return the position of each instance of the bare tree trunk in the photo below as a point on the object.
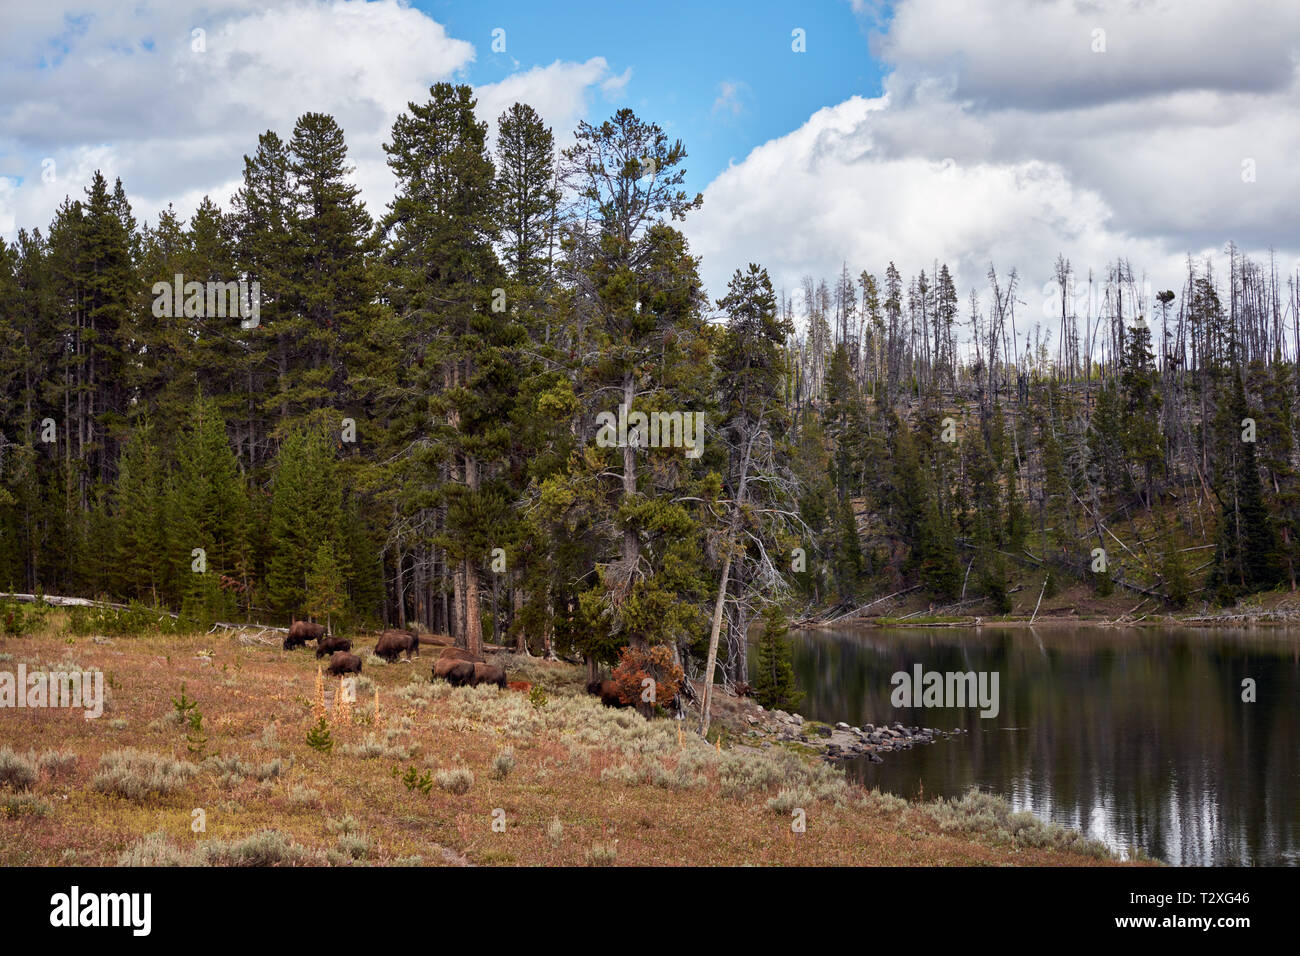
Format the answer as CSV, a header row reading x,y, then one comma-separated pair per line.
x,y
728,543
473,625
521,639
714,633
631,543
401,592
458,605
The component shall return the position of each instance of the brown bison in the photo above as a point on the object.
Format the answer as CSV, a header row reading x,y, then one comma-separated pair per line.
x,y
520,685
488,674
300,632
608,693
328,645
392,644
454,672
458,654
341,662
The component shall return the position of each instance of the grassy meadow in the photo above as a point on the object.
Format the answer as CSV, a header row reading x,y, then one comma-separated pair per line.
x,y
436,776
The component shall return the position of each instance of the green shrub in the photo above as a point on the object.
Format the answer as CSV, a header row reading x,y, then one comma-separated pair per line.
x,y
123,622
156,849
602,854
373,747
503,762
24,805
56,762
304,796
17,772
264,848
137,775
991,816
458,780
790,799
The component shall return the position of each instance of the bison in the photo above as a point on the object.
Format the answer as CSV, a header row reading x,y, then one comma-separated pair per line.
x,y
454,672
458,654
488,674
392,644
608,693
300,632
341,662
328,645
520,685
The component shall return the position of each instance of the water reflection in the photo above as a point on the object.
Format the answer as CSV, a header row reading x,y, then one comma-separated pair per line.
x,y
1136,737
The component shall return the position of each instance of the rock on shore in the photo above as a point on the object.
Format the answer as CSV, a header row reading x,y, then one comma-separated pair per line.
x,y
841,741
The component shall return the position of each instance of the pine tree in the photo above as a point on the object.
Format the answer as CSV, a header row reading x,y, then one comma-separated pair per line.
x,y
262,220
140,517
774,683
209,513
325,598
330,296
526,187
638,306
305,515
1140,431
1246,557
447,284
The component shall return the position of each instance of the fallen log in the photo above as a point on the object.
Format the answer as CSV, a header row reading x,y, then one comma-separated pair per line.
x,y
812,622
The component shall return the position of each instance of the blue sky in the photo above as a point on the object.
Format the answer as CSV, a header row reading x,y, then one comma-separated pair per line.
x,y
684,57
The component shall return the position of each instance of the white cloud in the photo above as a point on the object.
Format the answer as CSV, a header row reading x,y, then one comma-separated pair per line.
x,y
1049,54
994,143
559,92
121,88
729,98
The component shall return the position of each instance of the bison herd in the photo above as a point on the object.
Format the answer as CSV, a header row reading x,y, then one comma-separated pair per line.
x,y
459,668
455,665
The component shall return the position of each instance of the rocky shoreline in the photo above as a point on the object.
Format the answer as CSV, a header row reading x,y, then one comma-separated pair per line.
x,y
840,741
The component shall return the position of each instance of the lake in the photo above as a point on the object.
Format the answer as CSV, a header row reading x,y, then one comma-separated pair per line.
x,y
1138,737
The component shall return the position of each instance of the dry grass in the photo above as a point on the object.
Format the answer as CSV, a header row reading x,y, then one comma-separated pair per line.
x,y
578,784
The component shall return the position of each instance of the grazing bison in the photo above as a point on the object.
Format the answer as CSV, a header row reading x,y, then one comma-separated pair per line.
x,y
520,685
392,644
300,632
454,672
608,693
341,662
328,645
458,654
489,674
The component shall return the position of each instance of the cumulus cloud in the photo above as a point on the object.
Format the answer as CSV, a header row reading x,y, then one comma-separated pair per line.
x,y
997,141
135,91
1053,54
559,92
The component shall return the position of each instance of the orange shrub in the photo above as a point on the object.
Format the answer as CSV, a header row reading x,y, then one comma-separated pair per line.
x,y
656,663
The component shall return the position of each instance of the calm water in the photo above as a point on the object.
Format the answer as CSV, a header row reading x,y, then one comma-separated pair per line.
x,y
1136,737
